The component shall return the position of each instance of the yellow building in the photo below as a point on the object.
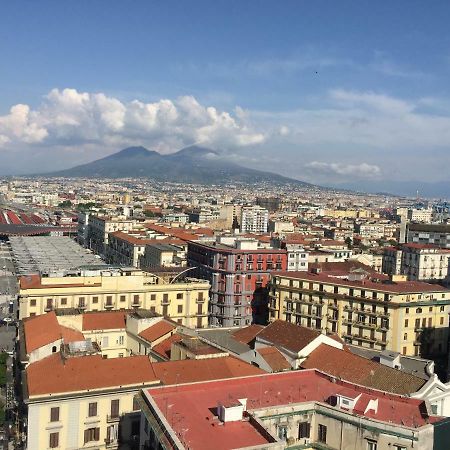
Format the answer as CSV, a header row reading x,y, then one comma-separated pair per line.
x,y
185,302
365,308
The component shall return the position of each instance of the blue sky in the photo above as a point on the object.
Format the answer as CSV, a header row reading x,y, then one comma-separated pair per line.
x,y
324,90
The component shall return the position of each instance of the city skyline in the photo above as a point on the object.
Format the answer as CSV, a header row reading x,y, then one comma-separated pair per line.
x,y
348,94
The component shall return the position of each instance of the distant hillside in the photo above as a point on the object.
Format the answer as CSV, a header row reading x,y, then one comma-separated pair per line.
x,y
189,165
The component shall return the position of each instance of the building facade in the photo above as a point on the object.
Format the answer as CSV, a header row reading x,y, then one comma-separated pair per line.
x,y
254,219
185,302
407,317
239,273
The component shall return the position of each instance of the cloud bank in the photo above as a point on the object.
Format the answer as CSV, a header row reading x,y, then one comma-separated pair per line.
x,y
69,117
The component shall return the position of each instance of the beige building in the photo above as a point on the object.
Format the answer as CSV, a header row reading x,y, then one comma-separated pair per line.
x,y
185,302
423,262
99,229
365,309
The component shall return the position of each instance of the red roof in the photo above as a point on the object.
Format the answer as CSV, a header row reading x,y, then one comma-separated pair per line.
x,y
41,330
71,335
157,331
52,375
274,359
356,369
195,404
247,334
104,320
164,348
194,370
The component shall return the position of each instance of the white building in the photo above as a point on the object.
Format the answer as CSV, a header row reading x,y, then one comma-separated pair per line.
x,y
254,219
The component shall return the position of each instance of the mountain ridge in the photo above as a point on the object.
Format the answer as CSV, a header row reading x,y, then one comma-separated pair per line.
x,y
193,164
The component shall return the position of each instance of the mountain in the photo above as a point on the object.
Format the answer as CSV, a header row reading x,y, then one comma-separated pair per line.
x,y
189,165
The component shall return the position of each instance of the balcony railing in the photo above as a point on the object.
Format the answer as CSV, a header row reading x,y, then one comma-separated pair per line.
x,y
113,418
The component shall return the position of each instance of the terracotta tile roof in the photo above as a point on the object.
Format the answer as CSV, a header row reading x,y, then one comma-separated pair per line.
x,y
356,369
71,335
41,330
164,348
194,370
287,335
247,334
274,358
157,331
52,375
104,320
34,281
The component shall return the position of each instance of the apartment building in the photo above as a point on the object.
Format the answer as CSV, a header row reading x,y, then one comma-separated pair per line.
x,y
96,406
423,262
254,219
239,271
126,249
300,409
420,215
422,233
99,229
365,308
185,301
165,254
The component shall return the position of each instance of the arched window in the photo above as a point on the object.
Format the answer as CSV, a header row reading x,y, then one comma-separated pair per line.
x,y
418,310
54,349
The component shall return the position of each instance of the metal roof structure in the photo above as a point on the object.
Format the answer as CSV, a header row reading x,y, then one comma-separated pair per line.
x,y
50,254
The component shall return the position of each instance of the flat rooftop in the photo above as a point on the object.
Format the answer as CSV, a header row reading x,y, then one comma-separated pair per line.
x,y
46,254
191,414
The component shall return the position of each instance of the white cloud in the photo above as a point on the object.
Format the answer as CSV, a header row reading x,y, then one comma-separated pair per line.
x,y
362,170
68,117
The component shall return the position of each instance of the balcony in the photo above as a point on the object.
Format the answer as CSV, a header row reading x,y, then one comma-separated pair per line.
x,y
136,304
82,306
112,443
113,418
48,308
109,306
165,302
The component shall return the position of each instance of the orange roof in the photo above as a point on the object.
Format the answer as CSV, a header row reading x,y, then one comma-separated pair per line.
x,y
41,330
356,369
71,335
105,320
247,334
164,348
157,331
193,370
52,375
274,358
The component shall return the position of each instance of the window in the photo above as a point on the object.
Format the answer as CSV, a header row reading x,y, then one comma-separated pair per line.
x,y
136,405
122,298
109,299
91,434
105,341
92,410
121,340
441,321
405,337
153,297
322,433
54,414
441,308
304,429
33,302
406,323
200,296
63,301
180,296
371,445
94,299
418,310
180,309
54,440
399,447
282,432
407,310
165,298
114,408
